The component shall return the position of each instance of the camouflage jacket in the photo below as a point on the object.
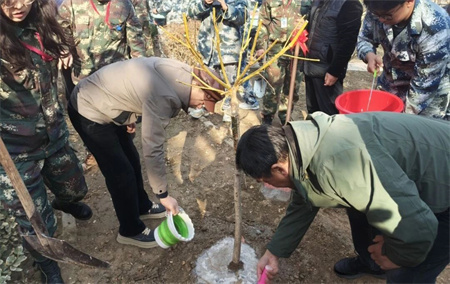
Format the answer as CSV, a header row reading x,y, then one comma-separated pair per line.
x,y
163,7
101,42
32,121
278,18
417,61
230,30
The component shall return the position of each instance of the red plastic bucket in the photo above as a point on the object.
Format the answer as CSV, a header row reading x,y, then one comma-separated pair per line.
x,y
357,101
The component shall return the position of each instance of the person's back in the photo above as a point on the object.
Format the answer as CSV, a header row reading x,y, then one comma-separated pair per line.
x,y
391,172
133,87
397,144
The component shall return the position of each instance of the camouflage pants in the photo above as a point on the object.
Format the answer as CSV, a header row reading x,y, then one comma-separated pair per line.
x,y
148,31
61,173
278,76
231,72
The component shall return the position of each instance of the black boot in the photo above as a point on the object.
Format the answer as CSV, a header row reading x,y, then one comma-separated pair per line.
x,y
50,272
267,119
78,210
352,268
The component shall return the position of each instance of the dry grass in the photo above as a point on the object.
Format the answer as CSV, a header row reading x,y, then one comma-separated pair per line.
x,y
171,48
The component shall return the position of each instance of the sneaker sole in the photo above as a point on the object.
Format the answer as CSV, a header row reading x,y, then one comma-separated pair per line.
x,y
153,216
128,241
383,276
249,108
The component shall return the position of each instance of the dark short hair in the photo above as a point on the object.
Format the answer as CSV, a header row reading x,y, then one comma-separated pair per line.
x,y
382,5
259,148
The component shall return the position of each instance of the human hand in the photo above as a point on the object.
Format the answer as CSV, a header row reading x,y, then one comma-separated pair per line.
x,y
65,62
329,80
374,62
131,128
154,11
223,4
270,262
171,204
259,52
376,254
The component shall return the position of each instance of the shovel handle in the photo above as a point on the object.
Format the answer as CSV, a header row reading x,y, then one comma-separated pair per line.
x,y
292,83
21,190
52,248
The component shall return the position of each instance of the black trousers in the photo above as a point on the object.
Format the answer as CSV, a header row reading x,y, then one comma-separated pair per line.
x,y
118,160
320,97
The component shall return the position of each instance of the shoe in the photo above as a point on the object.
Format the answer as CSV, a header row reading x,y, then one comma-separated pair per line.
x,y
50,272
282,118
198,112
267,120
352,268
78,210
249,106
226,118
157,211
226,104
146,239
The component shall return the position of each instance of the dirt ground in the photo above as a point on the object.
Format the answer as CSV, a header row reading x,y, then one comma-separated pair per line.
x,y
200,172
199,164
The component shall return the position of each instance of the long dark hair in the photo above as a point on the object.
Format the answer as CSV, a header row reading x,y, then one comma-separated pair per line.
x,y
42,16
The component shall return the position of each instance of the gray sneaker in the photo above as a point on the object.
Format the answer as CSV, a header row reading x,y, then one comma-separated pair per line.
x,y
226,103
198,112
226,118
249,106
157,211
146,239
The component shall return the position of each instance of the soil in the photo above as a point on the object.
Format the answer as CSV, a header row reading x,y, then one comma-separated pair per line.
x,y
200,173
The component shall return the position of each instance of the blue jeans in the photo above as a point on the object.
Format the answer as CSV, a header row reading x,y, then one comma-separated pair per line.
x,y
118,160
426,272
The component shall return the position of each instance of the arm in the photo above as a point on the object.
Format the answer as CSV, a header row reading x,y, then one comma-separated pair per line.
x,y
65,20
430,74
141,11
293,226
265,18
348,24
366,39
134,33
367,44
235,12
199,9
153,139
380,189
305,7
165,7
65,16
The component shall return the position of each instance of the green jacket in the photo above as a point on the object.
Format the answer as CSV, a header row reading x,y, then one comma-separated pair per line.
x,y
392,167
